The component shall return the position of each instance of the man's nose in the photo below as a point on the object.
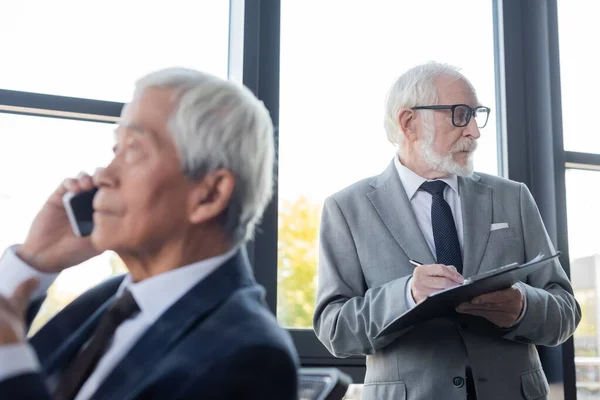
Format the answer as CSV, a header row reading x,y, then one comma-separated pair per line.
x,y
103,177
472,130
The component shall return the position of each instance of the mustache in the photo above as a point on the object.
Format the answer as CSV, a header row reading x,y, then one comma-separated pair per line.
x,y
464,144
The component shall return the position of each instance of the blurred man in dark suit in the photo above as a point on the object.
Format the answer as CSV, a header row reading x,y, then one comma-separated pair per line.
x,y
191,176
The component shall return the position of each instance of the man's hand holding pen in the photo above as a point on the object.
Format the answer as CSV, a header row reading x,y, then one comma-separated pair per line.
x,y
430,278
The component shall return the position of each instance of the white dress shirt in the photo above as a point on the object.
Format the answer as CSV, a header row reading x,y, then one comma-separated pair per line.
x,y
420,202
153,295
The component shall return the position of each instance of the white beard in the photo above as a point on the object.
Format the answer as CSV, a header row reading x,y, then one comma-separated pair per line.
x,y
445,163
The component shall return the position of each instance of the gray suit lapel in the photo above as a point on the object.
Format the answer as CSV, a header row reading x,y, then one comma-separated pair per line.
x,y
391,203
476,203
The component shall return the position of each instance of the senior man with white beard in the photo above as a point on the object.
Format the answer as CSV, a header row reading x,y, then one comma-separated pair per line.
x,y
428,205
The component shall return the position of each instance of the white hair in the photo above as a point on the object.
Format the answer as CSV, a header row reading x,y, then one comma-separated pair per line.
x,y
416,87
221,124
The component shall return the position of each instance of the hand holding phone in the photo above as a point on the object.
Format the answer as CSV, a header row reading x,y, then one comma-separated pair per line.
x,y
52,243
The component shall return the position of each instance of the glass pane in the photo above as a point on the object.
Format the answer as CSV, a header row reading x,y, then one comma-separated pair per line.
x,y
36,154
333,86
98,50
460,115
584,251
578,23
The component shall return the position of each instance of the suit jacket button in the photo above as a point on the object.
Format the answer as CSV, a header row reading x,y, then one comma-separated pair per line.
x,y
458,381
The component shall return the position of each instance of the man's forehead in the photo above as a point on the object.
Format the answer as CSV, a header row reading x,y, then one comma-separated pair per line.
x,y
454,91
150,108
152,100
131,127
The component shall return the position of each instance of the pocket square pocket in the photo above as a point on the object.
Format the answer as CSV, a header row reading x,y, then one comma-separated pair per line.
x,y
499,225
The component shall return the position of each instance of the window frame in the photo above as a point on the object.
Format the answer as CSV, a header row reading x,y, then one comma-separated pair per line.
x,y
530,91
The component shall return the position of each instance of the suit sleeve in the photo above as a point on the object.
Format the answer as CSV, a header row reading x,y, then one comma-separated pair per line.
x,y
552,313
254,373
348,315
24,387
17,359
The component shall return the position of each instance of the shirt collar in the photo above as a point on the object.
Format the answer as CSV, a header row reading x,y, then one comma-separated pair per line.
x,y
412,181
156,294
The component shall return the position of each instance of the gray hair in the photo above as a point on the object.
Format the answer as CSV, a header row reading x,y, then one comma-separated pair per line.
x,y
416,87
221,124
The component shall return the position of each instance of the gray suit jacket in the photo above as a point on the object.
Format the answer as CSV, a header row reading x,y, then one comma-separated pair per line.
x,y
368,234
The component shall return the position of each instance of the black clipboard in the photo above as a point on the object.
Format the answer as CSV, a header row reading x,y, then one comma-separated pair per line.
x,y
445,301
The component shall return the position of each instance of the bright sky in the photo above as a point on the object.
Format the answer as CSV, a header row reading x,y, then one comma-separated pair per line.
x,y
338,58
578,26
98,49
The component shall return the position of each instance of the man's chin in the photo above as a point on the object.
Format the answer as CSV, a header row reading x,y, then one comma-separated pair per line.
x,y
463,163
102,241
456,168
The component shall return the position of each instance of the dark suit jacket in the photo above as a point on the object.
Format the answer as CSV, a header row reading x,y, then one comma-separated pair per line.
x,y
219,341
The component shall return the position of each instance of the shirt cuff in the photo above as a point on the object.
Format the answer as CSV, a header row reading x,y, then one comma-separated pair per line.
x,y
13,271
410,302
17,359
519,286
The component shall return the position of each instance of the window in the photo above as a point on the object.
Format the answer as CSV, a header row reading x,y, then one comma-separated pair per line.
x,y
98,50
584,251
338,60
578,24
36,154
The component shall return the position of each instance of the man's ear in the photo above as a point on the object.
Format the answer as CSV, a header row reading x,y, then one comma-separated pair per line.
x,y
407,119
210,196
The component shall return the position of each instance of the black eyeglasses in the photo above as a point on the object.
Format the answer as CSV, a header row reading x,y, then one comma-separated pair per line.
x,y
462,113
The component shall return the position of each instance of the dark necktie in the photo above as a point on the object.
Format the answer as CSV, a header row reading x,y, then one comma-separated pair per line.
x,y
83,364
445,237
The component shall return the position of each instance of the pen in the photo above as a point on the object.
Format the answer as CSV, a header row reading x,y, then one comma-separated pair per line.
x,y
417,264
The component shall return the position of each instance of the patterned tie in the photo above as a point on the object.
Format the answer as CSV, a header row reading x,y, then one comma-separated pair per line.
x,y
445,237
80,368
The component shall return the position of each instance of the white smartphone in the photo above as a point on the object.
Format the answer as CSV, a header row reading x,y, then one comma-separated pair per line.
x,y
80,211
